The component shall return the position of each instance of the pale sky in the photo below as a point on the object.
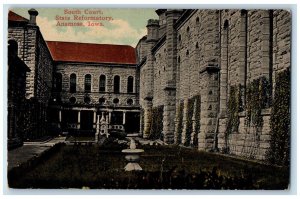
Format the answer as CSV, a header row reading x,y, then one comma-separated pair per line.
x,y
126,28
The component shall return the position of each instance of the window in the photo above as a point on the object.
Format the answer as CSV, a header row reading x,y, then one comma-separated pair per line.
x,y
58,82
129,101
87,100
72,100
117,84
116,101
73,83
130,84
101,101
87,83
102,83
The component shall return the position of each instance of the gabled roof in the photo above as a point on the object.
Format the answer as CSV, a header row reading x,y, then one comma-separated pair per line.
x,y
15,17
92,53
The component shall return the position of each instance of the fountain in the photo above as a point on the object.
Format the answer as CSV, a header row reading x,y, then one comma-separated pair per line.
x,y
132,156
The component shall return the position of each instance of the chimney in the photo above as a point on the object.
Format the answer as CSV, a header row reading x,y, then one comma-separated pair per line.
x,y
33,13
152,30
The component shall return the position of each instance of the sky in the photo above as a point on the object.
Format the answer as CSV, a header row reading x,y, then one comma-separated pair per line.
x,y
126,28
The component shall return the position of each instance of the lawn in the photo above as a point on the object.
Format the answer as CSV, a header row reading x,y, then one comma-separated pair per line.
x,y
164,167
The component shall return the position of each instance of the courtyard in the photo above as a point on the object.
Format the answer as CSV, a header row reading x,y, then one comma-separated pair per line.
x,y
164,167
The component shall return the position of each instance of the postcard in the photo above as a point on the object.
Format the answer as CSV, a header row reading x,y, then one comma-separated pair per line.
x,y
144,98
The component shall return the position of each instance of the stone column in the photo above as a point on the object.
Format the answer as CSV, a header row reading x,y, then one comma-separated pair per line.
x,y
78,120
59,116
97,129
170,76
124,117
94,119
209,109
109,117
147,119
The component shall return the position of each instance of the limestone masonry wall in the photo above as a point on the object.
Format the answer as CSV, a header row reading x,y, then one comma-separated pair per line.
x,y
207,53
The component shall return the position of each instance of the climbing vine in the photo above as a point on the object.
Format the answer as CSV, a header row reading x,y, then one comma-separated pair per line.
x,y
233,108
156,122
279,151
189,122
257,98
179,120
197,119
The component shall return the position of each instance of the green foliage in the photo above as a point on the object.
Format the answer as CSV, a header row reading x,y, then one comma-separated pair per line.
x,y
180,124
279,152
233,108
156,122
189,117
197,119
189,122
103,168
258,97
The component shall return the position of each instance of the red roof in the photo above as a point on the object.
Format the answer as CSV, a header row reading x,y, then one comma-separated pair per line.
x,y
15,17
93,53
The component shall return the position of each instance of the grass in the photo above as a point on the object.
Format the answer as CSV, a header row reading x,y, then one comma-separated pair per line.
x,y
103,167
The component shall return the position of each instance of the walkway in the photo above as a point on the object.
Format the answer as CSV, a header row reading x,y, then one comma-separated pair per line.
x,y
29,150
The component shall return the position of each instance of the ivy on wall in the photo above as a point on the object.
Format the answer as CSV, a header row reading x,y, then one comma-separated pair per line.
x,y
189,122
233,109
156,122
179,120
254,103
197,119
279,151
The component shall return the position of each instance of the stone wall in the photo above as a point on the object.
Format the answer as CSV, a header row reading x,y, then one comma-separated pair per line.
x,y
26,38
216,50
261,54
198,50
33,50
159,75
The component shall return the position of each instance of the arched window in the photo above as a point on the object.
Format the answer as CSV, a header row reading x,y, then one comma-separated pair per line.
x,y
130,84
102,83
73,83
117,84
58,82
87,83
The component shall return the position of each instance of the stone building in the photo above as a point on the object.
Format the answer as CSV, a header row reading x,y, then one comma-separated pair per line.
x,y
31,51
202,72
91,81
69,85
